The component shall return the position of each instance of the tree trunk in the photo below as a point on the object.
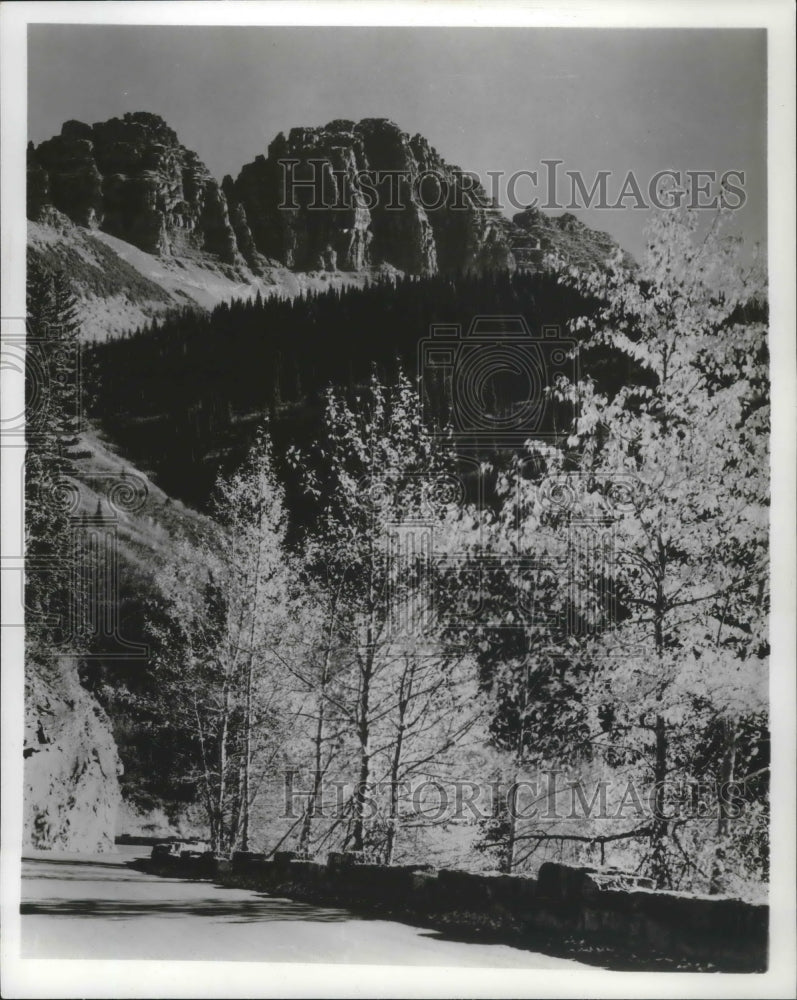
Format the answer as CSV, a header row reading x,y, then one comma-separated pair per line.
x,y
248,698
509,857
363,732
659,867
304,836
320,770
207,785
659,827
727,769
360,793
247,765
222,792
405,694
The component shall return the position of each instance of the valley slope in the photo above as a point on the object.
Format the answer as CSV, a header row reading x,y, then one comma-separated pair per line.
x,y
91,754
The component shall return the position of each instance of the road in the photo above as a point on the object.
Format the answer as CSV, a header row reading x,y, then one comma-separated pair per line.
x,y
98,907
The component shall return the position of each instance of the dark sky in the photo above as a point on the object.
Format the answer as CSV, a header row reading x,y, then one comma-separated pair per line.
x,y
489,99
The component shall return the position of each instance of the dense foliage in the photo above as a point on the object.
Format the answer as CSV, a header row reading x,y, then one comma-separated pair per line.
x,y
53,407
656,509
185,394
587,627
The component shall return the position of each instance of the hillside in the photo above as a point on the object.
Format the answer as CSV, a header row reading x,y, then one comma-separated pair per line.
x,y
169,396
93,768
121,288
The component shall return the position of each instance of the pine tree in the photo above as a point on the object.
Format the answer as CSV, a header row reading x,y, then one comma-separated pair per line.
x,y
53,420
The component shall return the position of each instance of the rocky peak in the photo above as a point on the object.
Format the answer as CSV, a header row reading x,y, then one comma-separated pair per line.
x,y
376,203
346,196
132,178
537,234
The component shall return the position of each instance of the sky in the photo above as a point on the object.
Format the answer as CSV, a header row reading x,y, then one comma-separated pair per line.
x,y
488,99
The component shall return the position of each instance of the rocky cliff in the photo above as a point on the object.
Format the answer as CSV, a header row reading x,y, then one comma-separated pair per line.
x,y
382,198
131,177
140,226
537,234
347,197
356,195
72,767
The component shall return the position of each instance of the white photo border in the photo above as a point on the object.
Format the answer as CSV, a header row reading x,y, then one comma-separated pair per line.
x,y
38,978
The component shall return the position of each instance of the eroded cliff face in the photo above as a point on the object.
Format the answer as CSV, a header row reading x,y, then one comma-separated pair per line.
x,y
131,177
71,765
346,199
352,196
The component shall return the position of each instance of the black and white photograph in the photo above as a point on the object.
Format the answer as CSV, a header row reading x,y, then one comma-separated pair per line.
x,y
398,500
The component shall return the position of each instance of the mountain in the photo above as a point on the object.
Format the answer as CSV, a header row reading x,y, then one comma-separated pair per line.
x,y
131,178
387,198
141,227
393,200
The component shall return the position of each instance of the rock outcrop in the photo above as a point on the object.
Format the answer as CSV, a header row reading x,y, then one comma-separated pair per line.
x,y
537,234
353,196
71,764
130,177
346,198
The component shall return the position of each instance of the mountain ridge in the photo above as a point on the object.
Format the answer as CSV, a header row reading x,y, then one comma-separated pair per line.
x,y
141,227
370,177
